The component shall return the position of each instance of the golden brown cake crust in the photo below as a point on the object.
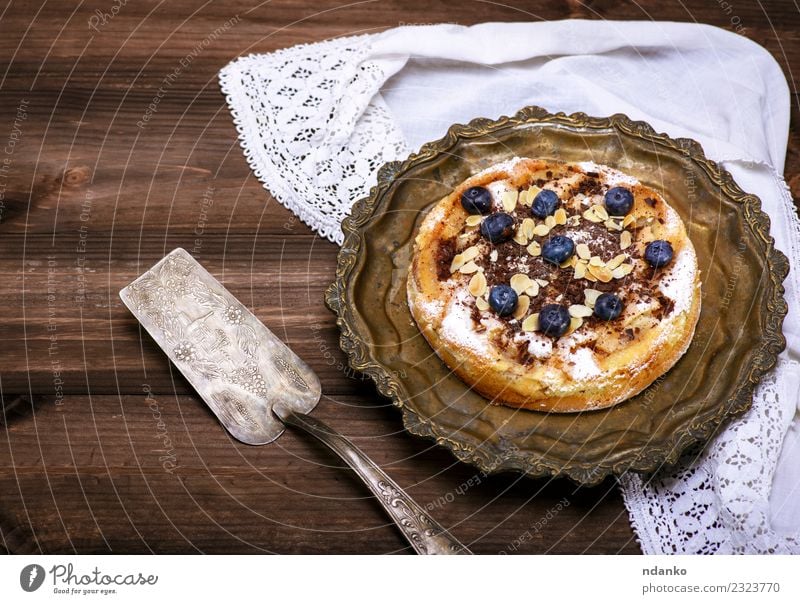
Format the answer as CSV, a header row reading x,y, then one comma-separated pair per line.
x,y
597,363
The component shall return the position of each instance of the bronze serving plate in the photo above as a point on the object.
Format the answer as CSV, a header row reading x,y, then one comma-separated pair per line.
x,y
738,335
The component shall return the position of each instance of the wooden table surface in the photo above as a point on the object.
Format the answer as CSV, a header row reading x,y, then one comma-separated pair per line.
x,y
88,462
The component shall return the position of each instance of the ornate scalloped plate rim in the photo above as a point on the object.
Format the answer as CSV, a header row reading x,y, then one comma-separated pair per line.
x,y
649,460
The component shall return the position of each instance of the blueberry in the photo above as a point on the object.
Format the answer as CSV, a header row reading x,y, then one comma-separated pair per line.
x,y
498,227
658,253
607,307
477,200
545,203
503,300
619,201
554,320
557,249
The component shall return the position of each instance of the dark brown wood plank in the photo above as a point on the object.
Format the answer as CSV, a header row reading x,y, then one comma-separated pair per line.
x,y
102,474
101,199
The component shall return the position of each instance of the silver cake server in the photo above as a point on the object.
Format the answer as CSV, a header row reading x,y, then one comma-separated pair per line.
x,y
253,382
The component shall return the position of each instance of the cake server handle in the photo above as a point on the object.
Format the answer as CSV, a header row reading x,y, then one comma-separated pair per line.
x,y
424,534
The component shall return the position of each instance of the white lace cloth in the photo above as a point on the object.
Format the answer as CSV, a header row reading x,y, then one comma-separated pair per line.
x,y
317,121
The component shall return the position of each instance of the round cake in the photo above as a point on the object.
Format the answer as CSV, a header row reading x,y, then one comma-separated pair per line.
x,y
555,286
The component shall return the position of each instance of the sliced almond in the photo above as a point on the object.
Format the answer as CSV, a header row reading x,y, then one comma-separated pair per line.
x,y
457,263
574,323
616,261
509,200
579,310
591,216
482,304
628,220
520,237
533,290
523,304
596,261
658,230
623,270
534,249
541,230
473,220
583,251
520,282
580,270
470,253
542,282
527,227
600,211
533,191
625,240
601,272
560,216
468,268
531,323
612,225
477,285
571,261
591,296
550,221
590,277
618,273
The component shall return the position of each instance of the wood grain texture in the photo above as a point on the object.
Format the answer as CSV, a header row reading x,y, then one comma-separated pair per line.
x,y
90,200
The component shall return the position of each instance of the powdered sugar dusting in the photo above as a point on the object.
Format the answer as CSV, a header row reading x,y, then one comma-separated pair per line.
x,y
430,307
672,219
457,325
584,366
610,175
678,283
539,346
497,188
578,236
575,338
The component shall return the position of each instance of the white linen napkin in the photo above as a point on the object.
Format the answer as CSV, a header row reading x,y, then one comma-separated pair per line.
x,y
317,121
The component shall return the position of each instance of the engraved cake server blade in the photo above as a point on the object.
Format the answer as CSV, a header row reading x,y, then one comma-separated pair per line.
x,y
253,382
